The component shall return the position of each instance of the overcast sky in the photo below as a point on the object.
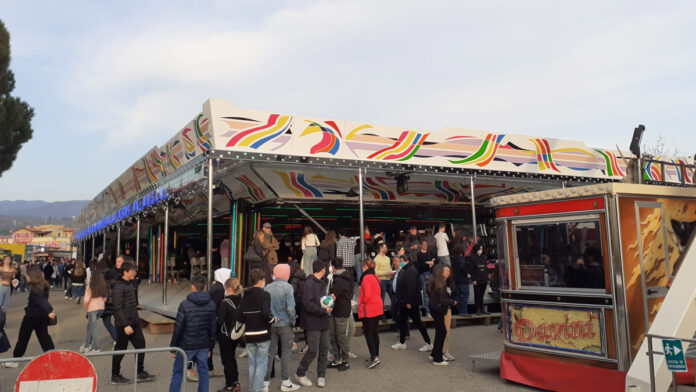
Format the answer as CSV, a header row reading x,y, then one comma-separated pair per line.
x,y
109,80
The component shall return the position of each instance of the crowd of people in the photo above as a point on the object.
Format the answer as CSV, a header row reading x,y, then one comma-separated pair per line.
x,y
421,274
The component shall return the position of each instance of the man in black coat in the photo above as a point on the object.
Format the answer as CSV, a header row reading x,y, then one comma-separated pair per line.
x,y
125,306
478,270
342,325
408,297
194,332
412,243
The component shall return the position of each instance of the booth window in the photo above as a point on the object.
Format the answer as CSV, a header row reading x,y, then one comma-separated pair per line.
x,y
560,254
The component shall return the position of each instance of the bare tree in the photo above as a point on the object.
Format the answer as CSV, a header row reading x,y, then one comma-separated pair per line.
x,y
662,148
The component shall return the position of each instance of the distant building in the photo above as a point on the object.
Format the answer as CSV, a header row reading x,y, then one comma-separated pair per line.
x,y
38,241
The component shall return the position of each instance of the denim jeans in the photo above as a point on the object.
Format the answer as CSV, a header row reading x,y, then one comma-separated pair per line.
x,y
5,291
200,358
92,333
424,277
286,337
78,291
462,294
109,325
258,364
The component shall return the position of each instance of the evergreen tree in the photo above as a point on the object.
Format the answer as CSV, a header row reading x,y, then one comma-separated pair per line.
x,y
15,114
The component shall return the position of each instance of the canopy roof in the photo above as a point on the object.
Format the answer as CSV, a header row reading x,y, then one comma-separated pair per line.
x,y
300,157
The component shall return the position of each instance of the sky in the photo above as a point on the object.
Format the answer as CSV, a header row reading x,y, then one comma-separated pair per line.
x,y
110,80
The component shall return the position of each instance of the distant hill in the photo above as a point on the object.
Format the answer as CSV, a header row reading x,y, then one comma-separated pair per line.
x,y
41,209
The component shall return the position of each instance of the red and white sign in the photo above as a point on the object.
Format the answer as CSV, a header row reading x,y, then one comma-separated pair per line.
x,y
4,239
58,371
54,244
22,238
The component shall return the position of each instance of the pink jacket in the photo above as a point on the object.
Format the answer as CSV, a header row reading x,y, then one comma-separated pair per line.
x,y
92,304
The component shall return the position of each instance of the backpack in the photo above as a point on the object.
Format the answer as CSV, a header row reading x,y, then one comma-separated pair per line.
x,y
251,256
237,330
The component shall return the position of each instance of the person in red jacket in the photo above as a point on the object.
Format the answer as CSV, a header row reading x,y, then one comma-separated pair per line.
x,y
370,309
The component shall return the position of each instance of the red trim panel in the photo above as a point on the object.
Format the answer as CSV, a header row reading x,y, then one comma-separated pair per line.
x,y
559,376
553,207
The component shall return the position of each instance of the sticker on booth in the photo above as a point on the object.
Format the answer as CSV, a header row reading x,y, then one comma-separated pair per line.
x,y
563,329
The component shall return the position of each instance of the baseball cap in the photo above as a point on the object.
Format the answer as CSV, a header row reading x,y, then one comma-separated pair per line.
x,y
266,225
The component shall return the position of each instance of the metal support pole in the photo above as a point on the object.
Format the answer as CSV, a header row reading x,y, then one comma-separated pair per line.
x,y
362,215
84,250
104,243
118,241
137,243
166,242
472,181
93,235
209,253
674,376
651,362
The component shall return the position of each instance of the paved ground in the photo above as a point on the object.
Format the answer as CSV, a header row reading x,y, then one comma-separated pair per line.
x,y
400,370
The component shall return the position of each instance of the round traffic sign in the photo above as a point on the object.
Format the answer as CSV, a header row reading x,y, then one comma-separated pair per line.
x,y
58,371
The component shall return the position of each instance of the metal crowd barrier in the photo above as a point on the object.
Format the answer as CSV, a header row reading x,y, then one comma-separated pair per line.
x,y
651,360
124,352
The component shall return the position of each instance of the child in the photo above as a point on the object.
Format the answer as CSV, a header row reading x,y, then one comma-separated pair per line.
x,y
95,301
228,316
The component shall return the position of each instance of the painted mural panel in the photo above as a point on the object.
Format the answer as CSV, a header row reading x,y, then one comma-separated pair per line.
x,y
676,225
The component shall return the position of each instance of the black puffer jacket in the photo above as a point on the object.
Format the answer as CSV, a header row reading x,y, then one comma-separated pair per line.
x,y
440,299
297,282
478,268
38,305
460,270
195,322
125,304
314,317
256,313
408,287
342,288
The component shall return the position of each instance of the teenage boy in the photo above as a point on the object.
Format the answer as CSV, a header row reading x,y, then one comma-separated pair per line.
x,y
283,309
341,326
125,305
194,332
441,240
408,297
315,320
256,312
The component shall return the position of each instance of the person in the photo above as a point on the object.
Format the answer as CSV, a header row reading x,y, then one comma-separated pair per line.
x,y
461,275
309,243
297,279
4,341
270,244
68,271
409,299
441,241
256,256
125,308
194,332
23,278
48,273
478,269
328,244
7,274
95,301
440,305
315,321
227,317
256,313
217,294
398,263
412,243
425,261
370,309
383,269
60,275
342,325
78,282
108,313
36,316
345,250
283,309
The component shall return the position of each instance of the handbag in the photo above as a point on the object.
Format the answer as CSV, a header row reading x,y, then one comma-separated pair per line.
x,y
237,330
53,321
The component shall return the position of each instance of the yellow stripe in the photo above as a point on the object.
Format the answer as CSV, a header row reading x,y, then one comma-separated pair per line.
x,y
489,150
310,129
352,133
573,150
286,180
538,151
404,146
282,121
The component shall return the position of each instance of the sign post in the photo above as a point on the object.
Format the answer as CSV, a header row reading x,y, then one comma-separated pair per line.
x,y
58,371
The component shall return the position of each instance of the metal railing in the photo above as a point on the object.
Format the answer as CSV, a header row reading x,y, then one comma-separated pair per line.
x,y
651,360
135,353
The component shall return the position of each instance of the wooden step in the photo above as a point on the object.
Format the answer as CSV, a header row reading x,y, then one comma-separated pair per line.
x,y
156,323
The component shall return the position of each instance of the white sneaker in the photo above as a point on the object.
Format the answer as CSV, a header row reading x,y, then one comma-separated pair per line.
x,y
399,346
264,389
443,363
351,355
84,349
93,351
244,354
266,384
426,347
13,365
448,357
304,381
288,386
321,382
430,357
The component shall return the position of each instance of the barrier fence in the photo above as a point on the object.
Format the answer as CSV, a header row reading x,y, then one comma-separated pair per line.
x,y
135,353
651,360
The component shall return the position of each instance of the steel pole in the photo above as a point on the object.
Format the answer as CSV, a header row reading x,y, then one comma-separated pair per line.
x,y
472,184
118,241
137,243
104,243
93,245
362,215
166,242
209,253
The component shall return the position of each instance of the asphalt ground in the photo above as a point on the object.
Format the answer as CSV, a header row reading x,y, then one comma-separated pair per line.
x,y
407,370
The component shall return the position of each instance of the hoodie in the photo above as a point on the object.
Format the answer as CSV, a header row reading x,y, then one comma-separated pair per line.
x,y
217,288
194,328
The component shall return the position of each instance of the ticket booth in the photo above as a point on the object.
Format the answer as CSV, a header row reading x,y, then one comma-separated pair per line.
x,y
584,272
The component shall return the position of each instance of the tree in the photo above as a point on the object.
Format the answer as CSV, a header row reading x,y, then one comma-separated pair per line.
x,y
15,114
660,148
